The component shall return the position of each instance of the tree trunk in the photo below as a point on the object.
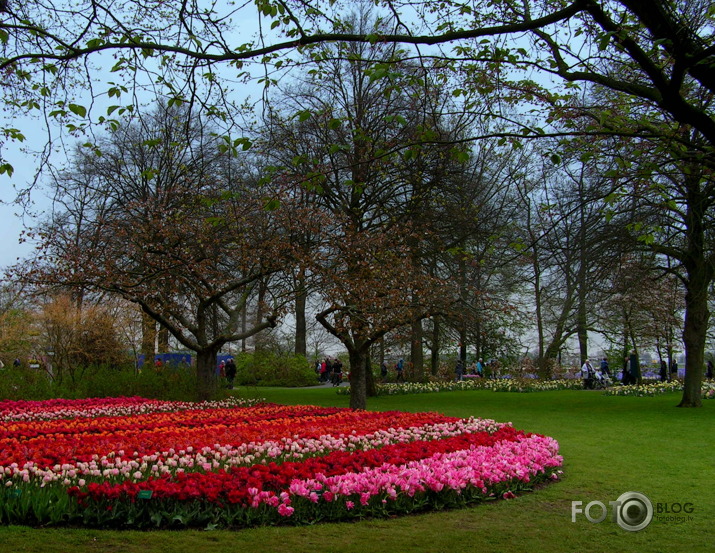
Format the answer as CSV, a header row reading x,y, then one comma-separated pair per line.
x,y
582,330
301,342
148,339
370,388
538,308
259,339
582,281
695,330
558,339
206,379
465,299
163,340
478,337
416,353
700,272
694,340
463,342
358,381
435,346
626,335
244,325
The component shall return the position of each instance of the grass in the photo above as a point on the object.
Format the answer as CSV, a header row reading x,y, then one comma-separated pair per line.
x,y
611,445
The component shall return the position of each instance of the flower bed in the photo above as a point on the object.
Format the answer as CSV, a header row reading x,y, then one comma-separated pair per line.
x,y
521,385
233,465
652,389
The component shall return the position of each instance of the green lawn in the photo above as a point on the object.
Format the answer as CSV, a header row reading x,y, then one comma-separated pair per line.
x,y
611,445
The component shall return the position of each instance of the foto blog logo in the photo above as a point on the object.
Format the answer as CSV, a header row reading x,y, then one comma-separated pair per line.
x,y
632,511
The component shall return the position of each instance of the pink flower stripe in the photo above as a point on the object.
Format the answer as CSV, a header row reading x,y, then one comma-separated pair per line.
x,y
233,485
481,468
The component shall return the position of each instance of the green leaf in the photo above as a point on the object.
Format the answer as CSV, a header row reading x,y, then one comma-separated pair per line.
x,y
78,110
6,168
298,160
462,156
604,40
378,73
244,142
95,43
518,246
272,204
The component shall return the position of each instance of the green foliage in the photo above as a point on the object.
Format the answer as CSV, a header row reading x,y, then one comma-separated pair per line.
x,y
177,384
269,369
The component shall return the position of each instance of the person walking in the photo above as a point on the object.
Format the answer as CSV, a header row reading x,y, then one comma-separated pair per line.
x,y
674,369
663,370
400,368
337,377
230,369
626,376
635,369
587,374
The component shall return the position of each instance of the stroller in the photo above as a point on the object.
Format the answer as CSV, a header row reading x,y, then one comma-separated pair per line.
x,y
600,380
595,379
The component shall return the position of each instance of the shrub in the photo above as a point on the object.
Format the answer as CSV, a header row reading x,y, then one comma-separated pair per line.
x,y
269,369
99,381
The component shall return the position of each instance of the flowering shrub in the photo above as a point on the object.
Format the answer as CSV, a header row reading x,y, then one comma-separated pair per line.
x,y
129,462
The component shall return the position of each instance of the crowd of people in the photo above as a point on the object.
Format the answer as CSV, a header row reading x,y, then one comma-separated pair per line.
x,y
631,372
330,370
477,368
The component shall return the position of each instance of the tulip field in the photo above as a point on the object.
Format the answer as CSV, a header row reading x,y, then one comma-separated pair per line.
x,y
138,463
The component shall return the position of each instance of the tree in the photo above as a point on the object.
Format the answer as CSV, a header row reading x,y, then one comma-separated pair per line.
x,y
638,315
16,323
366,262
171,236
673,194
78,337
